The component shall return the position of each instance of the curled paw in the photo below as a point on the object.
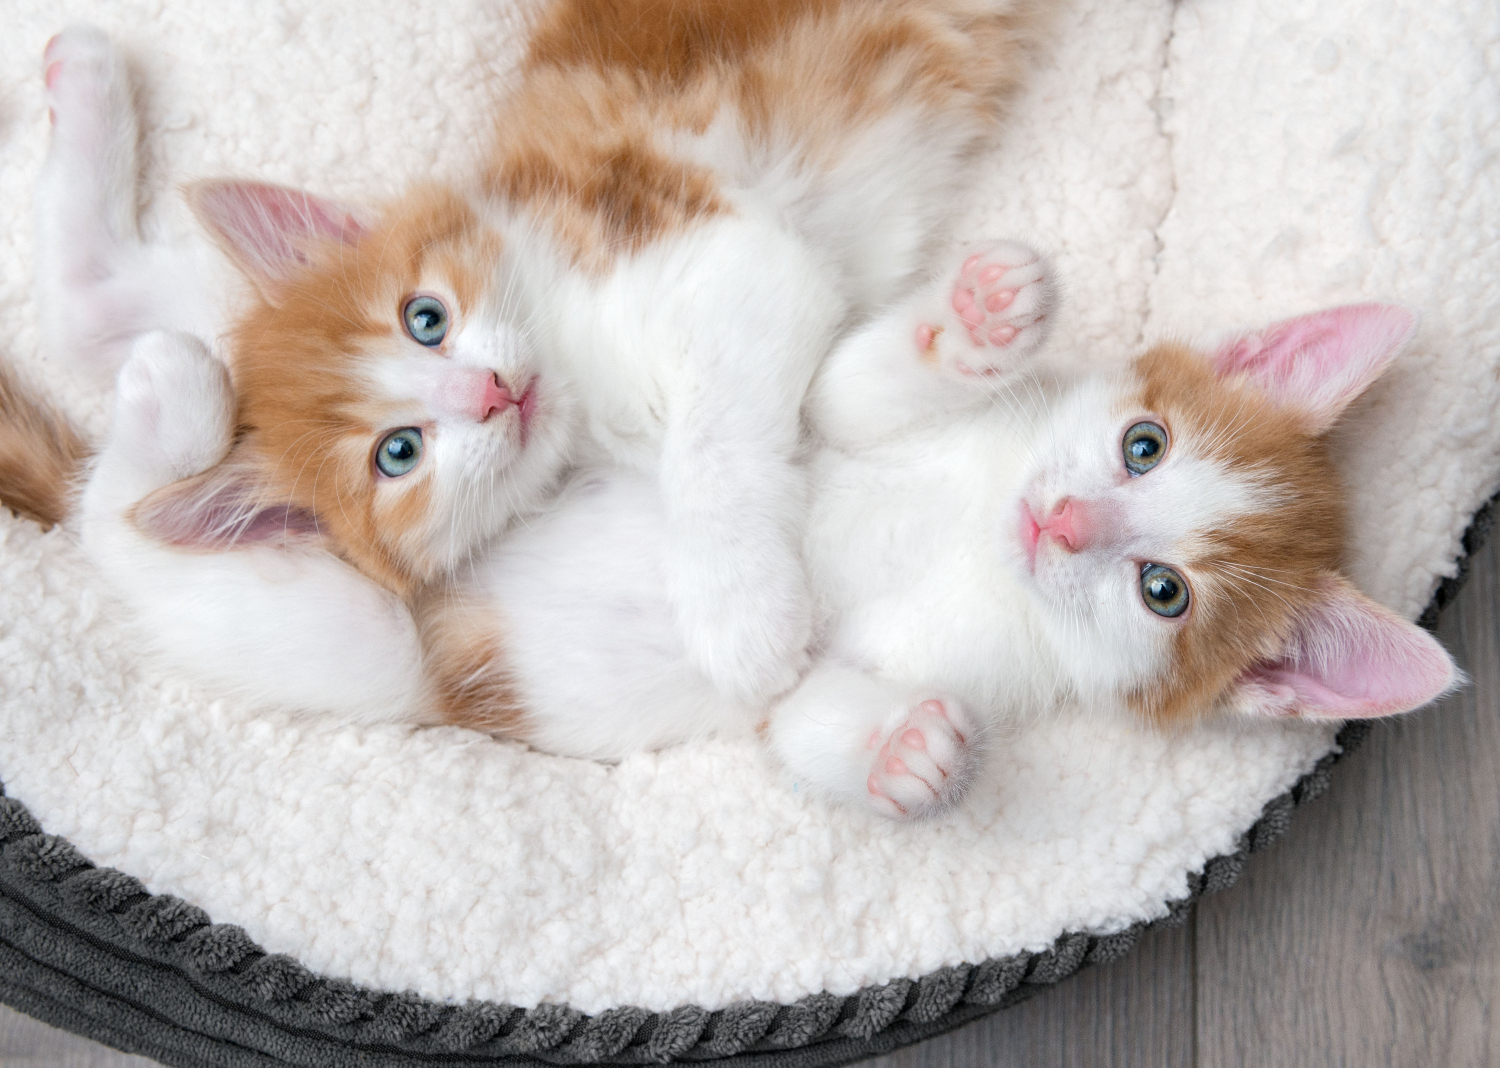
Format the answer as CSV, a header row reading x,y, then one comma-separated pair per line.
x,y
746,627
925,763
174,405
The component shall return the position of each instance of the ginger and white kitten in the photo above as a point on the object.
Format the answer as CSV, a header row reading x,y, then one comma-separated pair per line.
x,y
683,205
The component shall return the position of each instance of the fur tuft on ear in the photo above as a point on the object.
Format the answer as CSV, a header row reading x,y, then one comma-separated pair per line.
x,y
1349,658
1320,363
267,229
221,509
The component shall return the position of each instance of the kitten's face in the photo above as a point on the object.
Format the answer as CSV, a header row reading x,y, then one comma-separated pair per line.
x,y
1170,526
387,389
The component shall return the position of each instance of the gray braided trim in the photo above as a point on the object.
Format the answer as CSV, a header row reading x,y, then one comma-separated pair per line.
x,y
160,978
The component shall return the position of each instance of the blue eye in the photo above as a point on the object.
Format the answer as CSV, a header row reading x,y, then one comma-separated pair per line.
x,y
426,320
399,452
1163,590
1144,446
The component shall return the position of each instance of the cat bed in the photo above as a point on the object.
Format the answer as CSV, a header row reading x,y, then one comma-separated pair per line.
x,y
185,878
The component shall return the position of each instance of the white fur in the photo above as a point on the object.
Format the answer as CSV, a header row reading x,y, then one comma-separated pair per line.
x,y
694,358
103,284
579,597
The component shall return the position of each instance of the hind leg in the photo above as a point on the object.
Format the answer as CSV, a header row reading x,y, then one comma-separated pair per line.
x,y
98,285
86,200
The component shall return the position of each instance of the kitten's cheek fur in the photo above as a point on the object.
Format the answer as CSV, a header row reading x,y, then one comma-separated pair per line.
x,y
292,627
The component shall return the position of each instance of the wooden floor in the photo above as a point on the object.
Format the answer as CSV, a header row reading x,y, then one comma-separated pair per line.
x,y
1366,937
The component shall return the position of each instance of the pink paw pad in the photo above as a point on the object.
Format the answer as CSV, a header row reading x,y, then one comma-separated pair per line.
x,y
80,70
984,290
998,300
923,765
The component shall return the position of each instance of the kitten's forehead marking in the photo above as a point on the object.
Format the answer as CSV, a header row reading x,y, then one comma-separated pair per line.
x,y
1171,508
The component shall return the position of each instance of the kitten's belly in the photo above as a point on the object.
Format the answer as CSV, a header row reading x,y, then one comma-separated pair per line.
x,y
914,550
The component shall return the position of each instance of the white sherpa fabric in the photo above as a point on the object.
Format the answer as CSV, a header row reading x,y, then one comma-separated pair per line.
x,y
1190,168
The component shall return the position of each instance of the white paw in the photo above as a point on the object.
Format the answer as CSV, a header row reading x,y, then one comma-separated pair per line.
x,y
925,764
749,637
991,316
174,407
87,89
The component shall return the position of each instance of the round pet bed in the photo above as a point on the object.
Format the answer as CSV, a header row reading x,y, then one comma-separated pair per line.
x,y
191,880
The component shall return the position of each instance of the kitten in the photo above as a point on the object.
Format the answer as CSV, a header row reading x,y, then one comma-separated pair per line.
x,y
683,205
1162,542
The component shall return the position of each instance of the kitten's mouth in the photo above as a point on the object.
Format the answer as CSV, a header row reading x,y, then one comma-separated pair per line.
x,y
526,406
1031,532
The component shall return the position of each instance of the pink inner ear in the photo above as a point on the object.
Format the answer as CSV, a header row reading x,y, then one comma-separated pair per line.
x,y
1323,361
1350,659
269,226
218,511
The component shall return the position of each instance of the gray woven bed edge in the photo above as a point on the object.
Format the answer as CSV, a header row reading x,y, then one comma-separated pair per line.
x,y
87,949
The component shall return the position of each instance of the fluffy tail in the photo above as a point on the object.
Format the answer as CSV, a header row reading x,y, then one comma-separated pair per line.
x,y
40,454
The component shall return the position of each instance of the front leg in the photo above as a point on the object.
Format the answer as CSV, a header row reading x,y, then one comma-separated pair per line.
x,y
962,341
754,318
735,506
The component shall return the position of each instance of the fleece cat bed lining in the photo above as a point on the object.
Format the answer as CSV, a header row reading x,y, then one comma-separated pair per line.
x,y
87,949
479,875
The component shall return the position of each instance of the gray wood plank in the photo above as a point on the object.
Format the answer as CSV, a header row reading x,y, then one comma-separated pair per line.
x,y
1367,937
1135,1012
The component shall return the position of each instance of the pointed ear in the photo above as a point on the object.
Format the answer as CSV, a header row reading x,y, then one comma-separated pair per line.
x,y
268,229
222,508
1320,362
1349,658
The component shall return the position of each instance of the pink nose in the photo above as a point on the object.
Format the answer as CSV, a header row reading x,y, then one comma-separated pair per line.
x,y
493,397
1068,524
